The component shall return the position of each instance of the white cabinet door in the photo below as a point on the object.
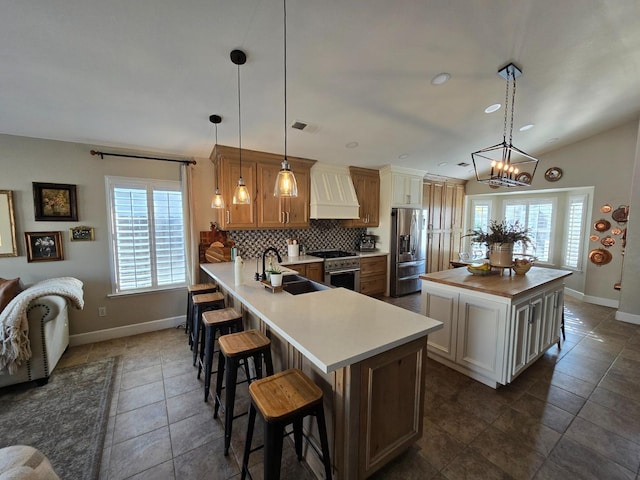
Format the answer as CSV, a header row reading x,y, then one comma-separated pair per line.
x,y
526,322
535,324
550,327
482,328
406,191
441,305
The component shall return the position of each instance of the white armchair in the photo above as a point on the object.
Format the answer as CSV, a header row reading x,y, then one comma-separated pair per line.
x,y
49,337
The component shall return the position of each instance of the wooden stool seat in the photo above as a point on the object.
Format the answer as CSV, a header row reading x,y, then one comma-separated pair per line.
x,y
284,394
191,291
282,399
236,348
225,321
243,343
201,304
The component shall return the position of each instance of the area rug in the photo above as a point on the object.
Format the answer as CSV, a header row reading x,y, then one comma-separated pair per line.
x,y
66,419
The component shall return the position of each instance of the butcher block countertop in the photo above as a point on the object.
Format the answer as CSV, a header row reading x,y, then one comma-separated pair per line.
x,y
332,328
509,286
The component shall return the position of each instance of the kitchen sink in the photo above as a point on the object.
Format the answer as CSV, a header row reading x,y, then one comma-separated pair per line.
x,y
299,285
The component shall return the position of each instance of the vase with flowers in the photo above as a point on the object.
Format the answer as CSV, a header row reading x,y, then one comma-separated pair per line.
x,y
500,238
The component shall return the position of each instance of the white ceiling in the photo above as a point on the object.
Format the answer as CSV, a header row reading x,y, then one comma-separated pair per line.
x,y
146,74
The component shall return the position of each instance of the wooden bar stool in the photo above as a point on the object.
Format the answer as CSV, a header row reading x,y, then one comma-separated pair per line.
x,y
202,303
192,290
235,348
225,321
282,399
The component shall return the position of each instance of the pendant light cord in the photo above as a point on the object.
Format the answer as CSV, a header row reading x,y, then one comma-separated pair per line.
x,y
239,123
217,188
285,79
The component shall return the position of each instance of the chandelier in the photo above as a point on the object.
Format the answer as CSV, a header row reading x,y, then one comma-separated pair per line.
x,y
503,164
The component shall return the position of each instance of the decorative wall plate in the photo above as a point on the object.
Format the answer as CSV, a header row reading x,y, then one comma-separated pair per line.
x,y
553,174
621,214
602,225
600,256
594,238
606,208
616,231
608,241
524,177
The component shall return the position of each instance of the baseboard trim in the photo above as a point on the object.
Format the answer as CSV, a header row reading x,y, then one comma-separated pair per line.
x,y
605,302
125,331
628,317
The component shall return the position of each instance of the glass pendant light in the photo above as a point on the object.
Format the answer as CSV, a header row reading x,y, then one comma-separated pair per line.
x,y
286,185
218,200
241,193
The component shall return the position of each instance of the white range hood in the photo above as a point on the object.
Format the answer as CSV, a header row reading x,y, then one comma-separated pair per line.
x,y
332,193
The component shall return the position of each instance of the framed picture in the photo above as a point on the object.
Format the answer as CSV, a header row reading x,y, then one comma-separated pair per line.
x,y
44,246
55,202
81,234
8,245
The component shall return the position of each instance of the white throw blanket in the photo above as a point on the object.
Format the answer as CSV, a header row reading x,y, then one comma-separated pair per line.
x,y
14,327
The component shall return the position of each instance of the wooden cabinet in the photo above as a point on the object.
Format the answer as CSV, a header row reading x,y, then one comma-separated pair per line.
x,y
489,337
313,271
259,171
367,185
373,275
444,203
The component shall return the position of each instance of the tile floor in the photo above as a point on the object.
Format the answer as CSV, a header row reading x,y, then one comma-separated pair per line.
x,y
575,414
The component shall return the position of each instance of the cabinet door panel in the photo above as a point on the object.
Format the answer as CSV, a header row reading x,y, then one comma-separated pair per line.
x,y
271,214
238,216
520,329
481,336
535,322
315,271
441,306
297,209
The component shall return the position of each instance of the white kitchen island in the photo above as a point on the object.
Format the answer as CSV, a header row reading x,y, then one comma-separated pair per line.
x,y
367,356
494,326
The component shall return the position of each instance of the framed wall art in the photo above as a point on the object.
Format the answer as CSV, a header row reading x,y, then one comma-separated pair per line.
x,y
82,234
55,202
44,246
8,245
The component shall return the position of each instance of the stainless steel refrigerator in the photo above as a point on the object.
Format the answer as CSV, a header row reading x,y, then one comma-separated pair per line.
x,y
408,247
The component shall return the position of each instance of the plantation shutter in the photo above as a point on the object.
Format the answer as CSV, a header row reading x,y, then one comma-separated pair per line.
x,y
575,223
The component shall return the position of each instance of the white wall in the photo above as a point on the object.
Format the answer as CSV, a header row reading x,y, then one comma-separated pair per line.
x,y
604,161
25,160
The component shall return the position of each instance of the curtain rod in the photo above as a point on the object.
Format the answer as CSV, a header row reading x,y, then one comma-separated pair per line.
x,y
102,154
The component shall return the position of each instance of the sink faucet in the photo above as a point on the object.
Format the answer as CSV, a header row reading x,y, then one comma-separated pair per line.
x,y
264,254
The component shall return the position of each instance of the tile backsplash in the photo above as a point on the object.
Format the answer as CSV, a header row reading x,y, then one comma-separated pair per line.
x,y
321,235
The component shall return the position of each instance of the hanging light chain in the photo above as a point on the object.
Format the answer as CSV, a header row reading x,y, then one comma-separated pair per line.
x,y
239,123
513,103
285,79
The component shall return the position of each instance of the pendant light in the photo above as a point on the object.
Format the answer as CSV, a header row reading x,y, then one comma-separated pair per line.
x,y
218,200
504,165
241,194
286,185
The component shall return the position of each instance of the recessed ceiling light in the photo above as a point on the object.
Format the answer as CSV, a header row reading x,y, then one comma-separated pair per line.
x,y
529,126
492,108
440,79
443,164
403,156
352,144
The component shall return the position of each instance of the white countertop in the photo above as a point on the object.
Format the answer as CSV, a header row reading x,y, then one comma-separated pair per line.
x,y
332,328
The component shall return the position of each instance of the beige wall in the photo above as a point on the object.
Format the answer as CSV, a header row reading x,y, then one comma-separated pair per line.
x,y
604,161
25,160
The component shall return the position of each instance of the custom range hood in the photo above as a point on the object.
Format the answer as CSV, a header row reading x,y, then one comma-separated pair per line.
x,y
332,193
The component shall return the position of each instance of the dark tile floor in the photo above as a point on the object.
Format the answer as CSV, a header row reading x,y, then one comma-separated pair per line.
x,y
575,414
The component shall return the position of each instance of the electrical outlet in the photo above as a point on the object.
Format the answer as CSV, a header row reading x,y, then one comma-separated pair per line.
x,y
102,311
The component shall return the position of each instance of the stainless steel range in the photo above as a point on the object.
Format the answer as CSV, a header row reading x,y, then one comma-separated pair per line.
x,y
341,269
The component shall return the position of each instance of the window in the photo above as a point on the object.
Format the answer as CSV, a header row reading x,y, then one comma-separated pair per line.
x,y
147,236
575,223
537,216
480,215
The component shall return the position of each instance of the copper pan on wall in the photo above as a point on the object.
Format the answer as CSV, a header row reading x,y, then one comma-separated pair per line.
x,y
602,225
600,256
621,214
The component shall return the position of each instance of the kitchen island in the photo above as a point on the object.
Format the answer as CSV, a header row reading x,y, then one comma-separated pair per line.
x,y
366,355
495,326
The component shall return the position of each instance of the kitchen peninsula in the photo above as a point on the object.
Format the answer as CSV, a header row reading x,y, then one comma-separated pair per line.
x,y
495,326
366,355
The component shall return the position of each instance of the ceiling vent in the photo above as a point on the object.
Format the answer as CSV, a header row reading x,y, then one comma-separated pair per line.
x,y
463,164
299,125
304,126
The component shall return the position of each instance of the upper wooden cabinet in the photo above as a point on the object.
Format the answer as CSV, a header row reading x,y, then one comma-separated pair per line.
x,y
259,171
367,185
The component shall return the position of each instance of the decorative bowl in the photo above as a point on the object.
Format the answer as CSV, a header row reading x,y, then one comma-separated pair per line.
x,y
522,264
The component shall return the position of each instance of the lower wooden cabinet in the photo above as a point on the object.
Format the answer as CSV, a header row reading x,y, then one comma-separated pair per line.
x,y
313,271
373,275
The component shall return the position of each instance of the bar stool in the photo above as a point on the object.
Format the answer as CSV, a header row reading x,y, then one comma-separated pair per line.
x,y
235,348
192,290
225,321
284,398
202,303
